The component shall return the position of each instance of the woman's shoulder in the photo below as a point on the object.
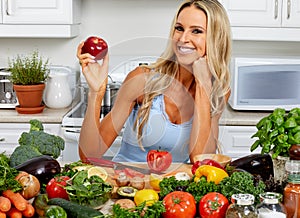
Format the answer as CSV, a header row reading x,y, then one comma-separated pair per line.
x,y
138,71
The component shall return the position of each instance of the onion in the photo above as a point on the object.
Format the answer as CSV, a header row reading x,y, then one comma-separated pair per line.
x,y
30,185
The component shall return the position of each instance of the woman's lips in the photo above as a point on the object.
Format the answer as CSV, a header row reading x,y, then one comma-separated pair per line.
x,y
185,50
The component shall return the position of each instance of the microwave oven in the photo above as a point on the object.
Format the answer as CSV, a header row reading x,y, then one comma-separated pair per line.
x,y
263,84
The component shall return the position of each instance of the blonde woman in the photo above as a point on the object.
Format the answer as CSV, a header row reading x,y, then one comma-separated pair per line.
x,y
174,104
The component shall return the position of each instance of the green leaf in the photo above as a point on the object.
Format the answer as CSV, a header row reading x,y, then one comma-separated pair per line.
x,y
279,112
290,123
255,145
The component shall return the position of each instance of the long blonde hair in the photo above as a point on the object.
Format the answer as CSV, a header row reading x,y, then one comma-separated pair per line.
x,y
218,52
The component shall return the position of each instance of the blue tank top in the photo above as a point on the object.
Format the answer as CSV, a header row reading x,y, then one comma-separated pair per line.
x,y
158,133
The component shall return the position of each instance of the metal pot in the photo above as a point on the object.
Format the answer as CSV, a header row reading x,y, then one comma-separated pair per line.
x,y
110,96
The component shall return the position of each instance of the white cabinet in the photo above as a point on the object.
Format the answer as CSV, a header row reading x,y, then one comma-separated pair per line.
x,y
11,132
264,19
35,18
236,140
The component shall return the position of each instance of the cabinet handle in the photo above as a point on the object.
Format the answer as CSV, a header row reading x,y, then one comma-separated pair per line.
x,y
288,9
8,7
2,139
276,10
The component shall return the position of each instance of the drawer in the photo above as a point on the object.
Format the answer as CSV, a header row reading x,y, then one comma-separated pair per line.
x,y
236,141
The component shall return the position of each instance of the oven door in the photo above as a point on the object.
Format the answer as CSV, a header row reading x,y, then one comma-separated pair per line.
x,y
71,126
71,135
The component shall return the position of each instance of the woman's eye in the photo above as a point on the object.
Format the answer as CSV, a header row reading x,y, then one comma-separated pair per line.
x,y
197,31
178,28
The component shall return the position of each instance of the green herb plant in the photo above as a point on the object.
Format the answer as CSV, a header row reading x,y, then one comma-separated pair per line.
x,y
28,70
277,132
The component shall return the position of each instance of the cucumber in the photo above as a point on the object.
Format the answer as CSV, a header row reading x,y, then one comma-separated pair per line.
x,y
75,210
55,211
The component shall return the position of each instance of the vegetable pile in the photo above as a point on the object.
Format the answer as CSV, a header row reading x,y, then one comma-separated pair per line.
x,y
38,185
35,143
15,188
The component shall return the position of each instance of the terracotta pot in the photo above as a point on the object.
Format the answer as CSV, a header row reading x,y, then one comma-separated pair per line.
x,y
29,96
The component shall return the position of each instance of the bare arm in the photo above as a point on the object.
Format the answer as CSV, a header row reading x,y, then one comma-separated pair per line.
x,y
205,129
96,137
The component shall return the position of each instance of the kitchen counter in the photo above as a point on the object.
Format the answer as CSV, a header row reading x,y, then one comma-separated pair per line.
x,y
231,117
47,116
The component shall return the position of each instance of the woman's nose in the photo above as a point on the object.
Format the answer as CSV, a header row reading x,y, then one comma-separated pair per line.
x,y
184,36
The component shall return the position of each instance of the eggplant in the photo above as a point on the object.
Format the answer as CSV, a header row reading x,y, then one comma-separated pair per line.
x,y
259,165
43,167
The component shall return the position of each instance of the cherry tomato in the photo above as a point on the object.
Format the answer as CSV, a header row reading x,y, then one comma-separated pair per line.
x,y
179,204
159,160
55,187
213,205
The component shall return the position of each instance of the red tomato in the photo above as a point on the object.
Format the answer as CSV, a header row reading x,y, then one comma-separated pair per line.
x,y
213,205
179,204
55,187
159,160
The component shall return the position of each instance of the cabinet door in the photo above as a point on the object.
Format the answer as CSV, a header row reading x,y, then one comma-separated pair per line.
x,y
1,20
255,13
39,12
291,13
236,140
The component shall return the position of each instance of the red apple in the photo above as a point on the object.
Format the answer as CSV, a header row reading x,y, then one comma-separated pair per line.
x,y
96,46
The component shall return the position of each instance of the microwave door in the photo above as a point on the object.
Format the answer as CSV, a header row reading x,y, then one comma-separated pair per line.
x,y
267,87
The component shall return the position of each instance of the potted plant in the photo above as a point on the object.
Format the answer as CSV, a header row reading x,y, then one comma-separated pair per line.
x,y
276,134
28,75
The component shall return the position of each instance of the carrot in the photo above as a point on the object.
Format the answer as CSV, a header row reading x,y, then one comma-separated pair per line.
x,y
14,213
16,199
2,215
5,204
29,211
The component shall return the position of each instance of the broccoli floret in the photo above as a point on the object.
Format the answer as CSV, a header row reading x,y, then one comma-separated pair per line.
x,y
45,143
36,142
36,125
23,153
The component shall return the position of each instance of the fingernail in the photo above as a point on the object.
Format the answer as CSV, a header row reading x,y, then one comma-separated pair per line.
x,y
93,57
92,61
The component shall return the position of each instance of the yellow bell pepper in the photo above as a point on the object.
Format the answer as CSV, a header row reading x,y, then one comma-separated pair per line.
x,y
212,174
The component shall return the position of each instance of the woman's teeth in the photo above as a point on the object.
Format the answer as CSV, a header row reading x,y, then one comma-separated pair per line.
x,y
185,50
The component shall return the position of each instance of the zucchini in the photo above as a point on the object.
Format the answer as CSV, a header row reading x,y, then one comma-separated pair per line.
x,y
75,210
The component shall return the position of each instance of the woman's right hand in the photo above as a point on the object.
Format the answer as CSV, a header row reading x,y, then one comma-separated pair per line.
x,y
94,73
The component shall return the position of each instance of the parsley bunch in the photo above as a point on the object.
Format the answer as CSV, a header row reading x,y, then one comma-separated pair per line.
x,y
7,175
153,211
241,183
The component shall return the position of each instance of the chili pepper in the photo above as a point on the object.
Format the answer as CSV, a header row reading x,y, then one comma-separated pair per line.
x,y
212,174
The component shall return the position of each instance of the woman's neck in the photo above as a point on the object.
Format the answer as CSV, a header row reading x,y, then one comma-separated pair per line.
x,y
185,77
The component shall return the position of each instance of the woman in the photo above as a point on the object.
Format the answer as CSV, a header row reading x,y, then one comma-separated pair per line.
x,y
174,104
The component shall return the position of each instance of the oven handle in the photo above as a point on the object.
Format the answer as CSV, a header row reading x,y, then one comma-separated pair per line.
x,y
71,133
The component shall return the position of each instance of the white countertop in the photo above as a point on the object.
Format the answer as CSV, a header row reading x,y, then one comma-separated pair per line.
x,y
231,117
47,116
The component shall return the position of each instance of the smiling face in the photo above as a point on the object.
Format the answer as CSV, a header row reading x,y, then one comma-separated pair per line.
x,y
189,37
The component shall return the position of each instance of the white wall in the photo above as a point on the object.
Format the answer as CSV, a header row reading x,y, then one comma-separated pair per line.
x,y
131,27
